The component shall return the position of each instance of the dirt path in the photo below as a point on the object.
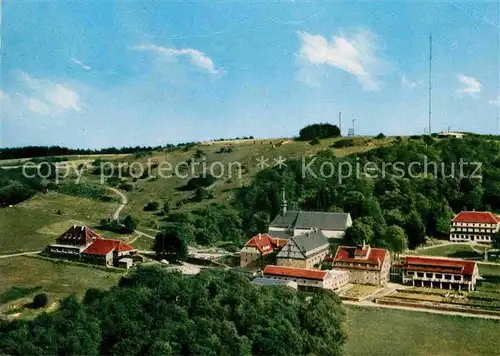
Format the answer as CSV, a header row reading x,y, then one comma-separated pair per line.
x,y
20,254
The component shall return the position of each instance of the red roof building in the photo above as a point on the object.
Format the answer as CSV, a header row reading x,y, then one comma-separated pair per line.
x,y
367,265
82,242
105,246
476,226
327,279
258,247
441,272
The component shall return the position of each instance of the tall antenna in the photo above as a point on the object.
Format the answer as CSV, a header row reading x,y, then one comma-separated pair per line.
x,y
340,121
430,84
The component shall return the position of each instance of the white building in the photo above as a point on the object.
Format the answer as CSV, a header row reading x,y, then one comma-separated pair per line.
x,y
308,278
477,226
445,273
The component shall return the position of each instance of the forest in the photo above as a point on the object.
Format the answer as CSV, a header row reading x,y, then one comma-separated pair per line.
x,y
390,210
155,312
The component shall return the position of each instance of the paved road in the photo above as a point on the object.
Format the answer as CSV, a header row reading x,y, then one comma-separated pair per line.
x,y
20,254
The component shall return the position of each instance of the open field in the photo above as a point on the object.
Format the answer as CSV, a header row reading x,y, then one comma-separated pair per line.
x,y
71,207
25,230
55,279
377,331
452,251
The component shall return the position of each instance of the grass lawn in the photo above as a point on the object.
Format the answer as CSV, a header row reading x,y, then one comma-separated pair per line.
x,y
490,270
71,207
55,279
454,251
378,331
27,230
360,291
143,243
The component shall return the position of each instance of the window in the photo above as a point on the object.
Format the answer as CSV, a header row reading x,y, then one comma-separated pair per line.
x,y
420,274
447,276
428,275
439,275
457,278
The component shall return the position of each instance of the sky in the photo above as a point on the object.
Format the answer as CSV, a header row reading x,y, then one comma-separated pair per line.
x,y
101,74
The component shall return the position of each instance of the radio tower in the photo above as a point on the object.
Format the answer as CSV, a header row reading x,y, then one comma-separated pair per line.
x,y
430,85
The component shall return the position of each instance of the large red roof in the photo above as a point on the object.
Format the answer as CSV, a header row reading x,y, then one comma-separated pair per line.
x,y
105,246
265,243
438,265
369,257
483,217
295,272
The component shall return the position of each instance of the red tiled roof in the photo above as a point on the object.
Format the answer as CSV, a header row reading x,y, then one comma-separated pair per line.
x,y
265,243
484,217
370,259
439,265
295,272
105,246
78,235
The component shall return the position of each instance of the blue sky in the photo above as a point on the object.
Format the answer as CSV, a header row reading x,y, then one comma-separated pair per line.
x,y
99,74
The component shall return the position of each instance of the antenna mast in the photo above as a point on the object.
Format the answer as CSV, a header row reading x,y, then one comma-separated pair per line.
x,y
430,84
340,121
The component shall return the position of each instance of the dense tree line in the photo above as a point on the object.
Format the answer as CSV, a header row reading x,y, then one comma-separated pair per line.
x,y
15,187
47,151
318,131
155,312
419,204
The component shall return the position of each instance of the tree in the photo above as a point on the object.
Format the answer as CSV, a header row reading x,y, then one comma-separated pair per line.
x,y
358,233
259,223
319,131
395,237
171,241
415,229
496,240
380,136
151,206
166,207
40,300
129,224
315,141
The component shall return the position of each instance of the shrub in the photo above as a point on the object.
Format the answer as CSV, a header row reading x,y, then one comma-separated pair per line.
x,y
40,300
348,142
315,141
151,206
380,136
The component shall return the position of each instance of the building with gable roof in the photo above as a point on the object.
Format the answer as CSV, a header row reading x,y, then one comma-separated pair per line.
x,y
307,278
293,223
477,226
260,250
366,265
304,251
445,273
82,243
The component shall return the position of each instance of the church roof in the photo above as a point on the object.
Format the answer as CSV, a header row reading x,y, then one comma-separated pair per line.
x,y
311,219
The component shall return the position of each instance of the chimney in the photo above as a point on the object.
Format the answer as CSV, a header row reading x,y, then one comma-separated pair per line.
x,y
283,202
260,236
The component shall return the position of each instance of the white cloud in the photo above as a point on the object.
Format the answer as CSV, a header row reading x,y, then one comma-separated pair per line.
x,y
3,96
495,101
80,63
38,106
470,85
56,98
408,83
196,57
354,54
